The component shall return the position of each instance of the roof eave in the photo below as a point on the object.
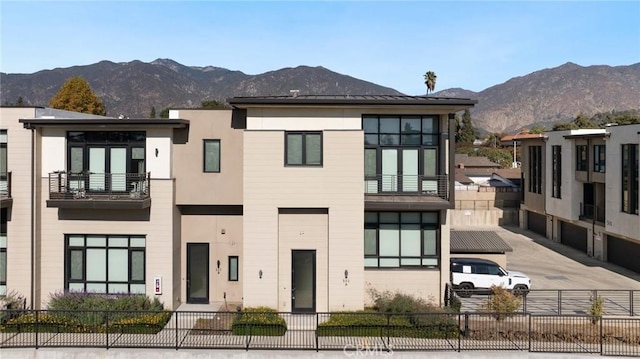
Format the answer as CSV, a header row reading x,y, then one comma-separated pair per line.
x,y
129,123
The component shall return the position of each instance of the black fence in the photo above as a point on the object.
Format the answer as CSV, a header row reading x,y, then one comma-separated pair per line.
x,y
366,332
563,302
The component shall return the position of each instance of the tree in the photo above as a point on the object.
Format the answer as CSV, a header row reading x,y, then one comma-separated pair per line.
x,y
20,101
466,133
164,113
537,129
430,81
76,95
213,104
152,114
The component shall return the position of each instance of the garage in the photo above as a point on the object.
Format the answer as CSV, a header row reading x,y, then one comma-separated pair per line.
x,y
573,236
537,223
623,253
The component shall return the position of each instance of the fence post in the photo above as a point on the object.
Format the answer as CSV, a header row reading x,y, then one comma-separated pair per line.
x,y
317,323
601,338
177,325
459,334
524,302
530,327
37,318
106,328
388,329
631,303
466,324
559,302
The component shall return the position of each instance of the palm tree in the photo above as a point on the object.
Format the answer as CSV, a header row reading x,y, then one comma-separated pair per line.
x,y
430,81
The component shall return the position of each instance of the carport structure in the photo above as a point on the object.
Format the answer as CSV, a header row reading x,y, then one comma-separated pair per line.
x,y
479,244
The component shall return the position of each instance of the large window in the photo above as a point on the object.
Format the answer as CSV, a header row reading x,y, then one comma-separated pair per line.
x,y
211,155
303,149
105,263
3,252
556,180
582,158
401,154
535,169
630,169
599,158
108,161
401,239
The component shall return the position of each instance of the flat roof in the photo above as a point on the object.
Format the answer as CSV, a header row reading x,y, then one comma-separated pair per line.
x,y
477,242
102,122
367,100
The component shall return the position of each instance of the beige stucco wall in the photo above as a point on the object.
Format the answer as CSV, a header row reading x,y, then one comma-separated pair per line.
x,y
193,185
337,186
209,229
19,213
419,283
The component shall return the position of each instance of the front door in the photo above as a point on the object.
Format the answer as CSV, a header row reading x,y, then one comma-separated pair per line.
x,y
198,273
303,280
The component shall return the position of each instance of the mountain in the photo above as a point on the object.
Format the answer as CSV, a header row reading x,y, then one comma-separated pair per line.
x,y
552,95
132,88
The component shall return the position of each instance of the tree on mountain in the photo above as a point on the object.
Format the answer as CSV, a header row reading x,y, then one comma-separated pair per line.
x,y
76,95
430,81
465,132
152,114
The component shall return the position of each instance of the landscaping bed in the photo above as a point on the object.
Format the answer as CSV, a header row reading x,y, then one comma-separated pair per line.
x,y
262,321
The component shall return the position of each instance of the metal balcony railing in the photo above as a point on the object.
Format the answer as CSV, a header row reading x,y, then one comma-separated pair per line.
x,y
592,212
101,186
5,184
436,186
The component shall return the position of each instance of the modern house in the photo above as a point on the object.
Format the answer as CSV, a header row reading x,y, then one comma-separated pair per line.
x,y
300,203
581,189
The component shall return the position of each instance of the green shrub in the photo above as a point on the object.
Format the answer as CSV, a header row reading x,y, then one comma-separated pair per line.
x,y
11,305
259,321
146,323
596,307
46,323
501,302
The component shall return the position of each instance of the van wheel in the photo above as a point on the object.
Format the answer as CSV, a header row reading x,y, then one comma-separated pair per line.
x,y
520,290
464,290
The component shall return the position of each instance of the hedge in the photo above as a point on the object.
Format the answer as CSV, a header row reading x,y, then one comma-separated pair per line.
x,y
259,321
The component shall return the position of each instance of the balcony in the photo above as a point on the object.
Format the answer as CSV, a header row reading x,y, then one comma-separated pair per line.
x,y
592,213
406,191
99,190
5,190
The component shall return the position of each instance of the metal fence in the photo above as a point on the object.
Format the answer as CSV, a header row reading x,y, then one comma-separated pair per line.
x,y
349,332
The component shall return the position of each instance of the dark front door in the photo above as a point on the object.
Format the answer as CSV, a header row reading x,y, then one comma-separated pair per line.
x,y
197,272
303,280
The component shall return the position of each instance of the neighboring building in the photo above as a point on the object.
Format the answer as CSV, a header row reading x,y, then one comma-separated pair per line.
x,y
298,203
581,189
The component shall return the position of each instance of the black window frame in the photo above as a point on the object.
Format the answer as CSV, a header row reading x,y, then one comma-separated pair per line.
x,y
629,178
556,174
130,250
599,158
535,169
237,265
582,158
3,249
204,155
304,159
423,226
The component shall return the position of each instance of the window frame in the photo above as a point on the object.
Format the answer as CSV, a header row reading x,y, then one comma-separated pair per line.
x,y
599,158
237,266
582,164
204,155
535,169
68,249
423,226
629,171
556,174
304,159
3,247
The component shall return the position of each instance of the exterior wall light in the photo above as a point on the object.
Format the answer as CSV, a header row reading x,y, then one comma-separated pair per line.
x,y
260,273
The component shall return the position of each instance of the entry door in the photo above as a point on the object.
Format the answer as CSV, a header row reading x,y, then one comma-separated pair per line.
x,y
303,280
197,272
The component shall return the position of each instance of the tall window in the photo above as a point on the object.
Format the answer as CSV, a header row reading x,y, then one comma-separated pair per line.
x,y
4,184
599,158
401,239
303,149
233,268
3,252
630,169
582,158
556,154
401,154
535,169
105,263
211,155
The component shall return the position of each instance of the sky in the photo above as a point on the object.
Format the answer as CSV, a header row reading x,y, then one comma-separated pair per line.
x,y
469,44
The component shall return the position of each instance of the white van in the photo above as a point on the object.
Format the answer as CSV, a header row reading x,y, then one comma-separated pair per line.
x,y
476,276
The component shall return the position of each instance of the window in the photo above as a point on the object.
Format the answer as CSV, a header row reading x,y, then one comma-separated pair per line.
x,y
401,239
233,268
4,179
535,169
599,158
401,154
630,169
303,149
582,158
211,155
105,263
556,180
3,252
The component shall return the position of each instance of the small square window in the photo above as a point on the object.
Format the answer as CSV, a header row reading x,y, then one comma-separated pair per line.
x,y
211,155
233,268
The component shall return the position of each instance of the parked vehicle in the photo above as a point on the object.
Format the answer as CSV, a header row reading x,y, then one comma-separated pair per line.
x,y
476,276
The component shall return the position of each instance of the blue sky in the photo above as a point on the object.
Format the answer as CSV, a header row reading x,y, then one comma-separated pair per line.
x,y
468,44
